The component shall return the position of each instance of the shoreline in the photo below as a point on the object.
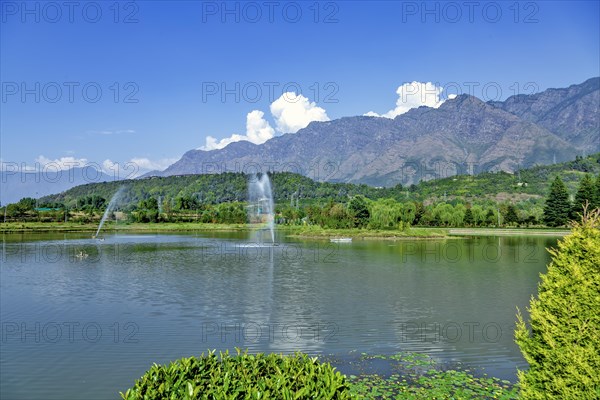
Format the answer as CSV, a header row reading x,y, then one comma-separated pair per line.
x,y
507,232
41,227
299,232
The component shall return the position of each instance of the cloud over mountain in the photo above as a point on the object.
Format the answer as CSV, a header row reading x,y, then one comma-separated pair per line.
x,y
413,95
258,130
460,135
291,112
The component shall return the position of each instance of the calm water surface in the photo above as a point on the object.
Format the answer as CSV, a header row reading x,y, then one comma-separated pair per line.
x,y
84,318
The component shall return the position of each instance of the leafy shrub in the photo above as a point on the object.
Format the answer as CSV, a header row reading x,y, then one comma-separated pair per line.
x,y
562,348
244,376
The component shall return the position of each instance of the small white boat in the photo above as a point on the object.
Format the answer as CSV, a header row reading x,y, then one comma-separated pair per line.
x,y
340,240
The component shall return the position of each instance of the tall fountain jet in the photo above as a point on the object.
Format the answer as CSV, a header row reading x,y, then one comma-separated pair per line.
x,y
260,205
109,207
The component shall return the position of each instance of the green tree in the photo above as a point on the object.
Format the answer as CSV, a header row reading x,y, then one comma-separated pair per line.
x,y
468,219
478,215
419,212
26,204
561,342
597,191
148,204
359,210
385,214
490,217
152,215
337,216
557,208
186,203
408,212
511,217
314,214
586,194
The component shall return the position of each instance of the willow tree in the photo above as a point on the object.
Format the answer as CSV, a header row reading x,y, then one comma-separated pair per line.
x,y
385,214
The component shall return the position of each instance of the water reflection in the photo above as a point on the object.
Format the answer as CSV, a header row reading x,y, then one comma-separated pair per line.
x,y
141,299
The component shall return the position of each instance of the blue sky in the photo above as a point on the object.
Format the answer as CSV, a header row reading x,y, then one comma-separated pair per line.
x,y
143,80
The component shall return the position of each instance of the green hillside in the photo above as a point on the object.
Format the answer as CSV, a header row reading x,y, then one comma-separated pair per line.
x,y
532,183
526,183
488,199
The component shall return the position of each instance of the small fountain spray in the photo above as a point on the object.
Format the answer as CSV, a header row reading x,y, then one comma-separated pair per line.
x,y
260,204
109,207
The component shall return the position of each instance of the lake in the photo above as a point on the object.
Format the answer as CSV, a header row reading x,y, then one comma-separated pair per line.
x,y
83,318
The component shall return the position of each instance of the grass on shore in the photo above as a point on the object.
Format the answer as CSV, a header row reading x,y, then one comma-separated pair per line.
x,y
306,231
507,231
313,231
112,227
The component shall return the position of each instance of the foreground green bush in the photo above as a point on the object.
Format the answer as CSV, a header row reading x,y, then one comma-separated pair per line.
x,y
563,345
244,376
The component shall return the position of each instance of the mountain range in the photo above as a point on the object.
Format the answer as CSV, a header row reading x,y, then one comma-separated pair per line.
x,y
14,185
463,135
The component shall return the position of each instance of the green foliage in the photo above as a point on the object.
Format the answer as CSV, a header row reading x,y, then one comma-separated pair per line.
x,y
510,216
421,377
385,214
19,209
147,211
557,208
337,216
597,191
27,204
562,345
479,215
468,219
230,213
584,164
301,200
289,214
491,217
229,186
534,181
586,194
91,202
243,376
359,210
186,203
150,203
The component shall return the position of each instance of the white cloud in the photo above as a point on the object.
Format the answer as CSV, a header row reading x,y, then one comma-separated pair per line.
x,y
293,112
413,95
258,131
109,166
62,163
371,114
134,167
145,164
